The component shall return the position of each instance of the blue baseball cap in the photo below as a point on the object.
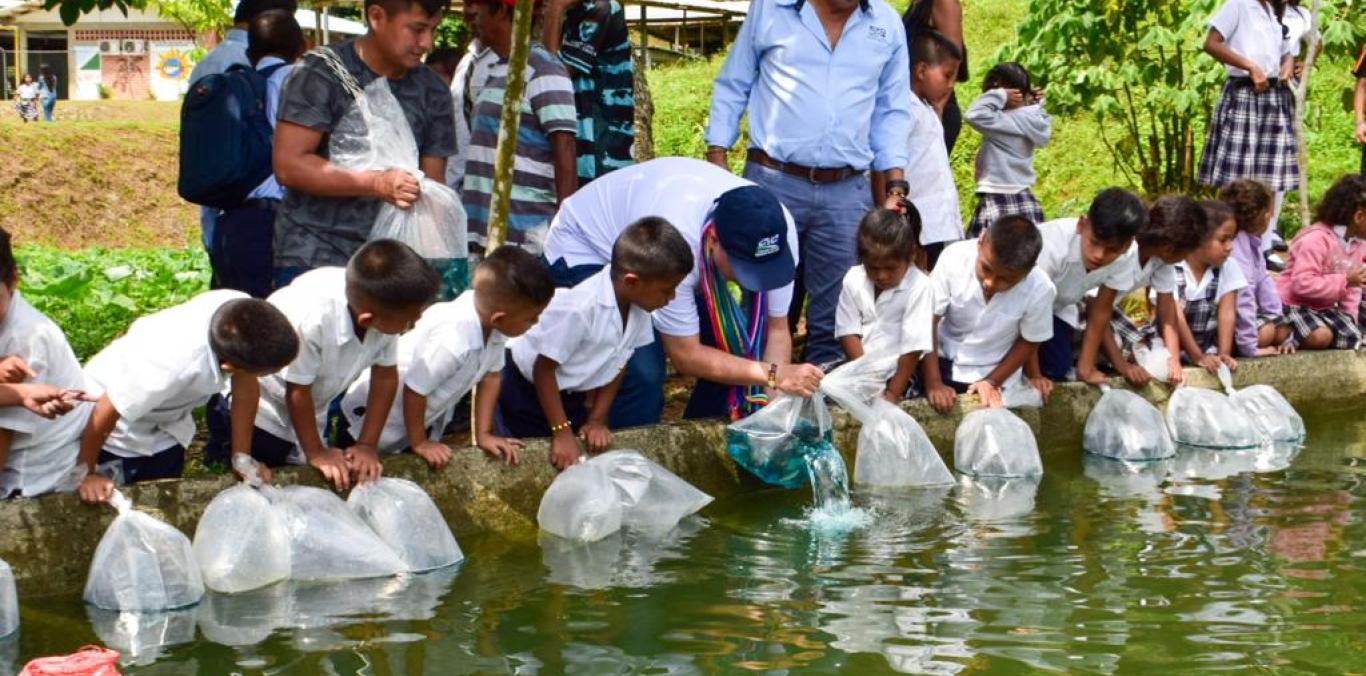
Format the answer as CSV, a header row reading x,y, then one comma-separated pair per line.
x,y
752,228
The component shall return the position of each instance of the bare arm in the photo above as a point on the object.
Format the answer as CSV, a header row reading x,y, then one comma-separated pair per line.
x,y
485,401
298,166
1097,323
901,379
692,358
552,25
246,398
1014,360
852,346
947,17
434,168
595,433
96,488
1217,47
564,155
329,461
1228,318
564,447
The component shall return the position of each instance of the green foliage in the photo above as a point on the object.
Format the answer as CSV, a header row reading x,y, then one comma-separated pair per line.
x,y
197,17
94,294
71,10
452,33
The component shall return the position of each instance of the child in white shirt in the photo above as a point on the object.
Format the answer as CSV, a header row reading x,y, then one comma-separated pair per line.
x,y
935,61
886,305
993,307
348,321
1208,290
455,345
566,370
150,380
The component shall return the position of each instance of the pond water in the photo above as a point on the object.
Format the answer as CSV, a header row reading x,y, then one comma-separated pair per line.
x,y
1209,562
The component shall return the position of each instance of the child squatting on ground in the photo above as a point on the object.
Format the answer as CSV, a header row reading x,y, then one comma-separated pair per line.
x,y
1321,286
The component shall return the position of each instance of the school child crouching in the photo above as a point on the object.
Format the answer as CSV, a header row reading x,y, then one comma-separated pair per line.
x,y
1261,329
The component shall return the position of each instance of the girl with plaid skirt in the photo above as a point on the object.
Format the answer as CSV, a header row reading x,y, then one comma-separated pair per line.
x,y
1011,118
1261,329
1208,289
1251,134
1321,286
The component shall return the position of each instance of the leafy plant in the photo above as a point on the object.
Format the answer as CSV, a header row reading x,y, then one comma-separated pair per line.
x,y
197,17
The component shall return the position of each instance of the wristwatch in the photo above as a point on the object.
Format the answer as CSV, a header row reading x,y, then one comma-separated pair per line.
x,y
898,187
773,376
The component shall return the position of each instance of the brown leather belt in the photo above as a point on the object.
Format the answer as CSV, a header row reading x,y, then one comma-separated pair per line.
x,y
818,175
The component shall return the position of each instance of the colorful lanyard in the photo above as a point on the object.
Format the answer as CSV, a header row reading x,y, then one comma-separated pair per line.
x,y
732,331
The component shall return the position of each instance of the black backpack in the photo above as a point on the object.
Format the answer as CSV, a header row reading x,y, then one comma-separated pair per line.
x,y
225,137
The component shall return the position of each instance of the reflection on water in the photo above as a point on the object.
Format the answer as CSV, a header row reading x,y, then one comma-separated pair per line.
x,y
1209,560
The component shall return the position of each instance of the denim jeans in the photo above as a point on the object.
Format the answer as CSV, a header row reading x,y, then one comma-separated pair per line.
x,y
827,218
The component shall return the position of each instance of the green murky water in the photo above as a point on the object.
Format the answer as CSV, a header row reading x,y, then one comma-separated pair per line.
x,y
1210,562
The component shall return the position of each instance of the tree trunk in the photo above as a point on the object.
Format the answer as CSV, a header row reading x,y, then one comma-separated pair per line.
x,y
507,128
644,148
1301,95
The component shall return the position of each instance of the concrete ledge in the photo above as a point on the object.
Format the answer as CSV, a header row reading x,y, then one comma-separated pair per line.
x,y
49,541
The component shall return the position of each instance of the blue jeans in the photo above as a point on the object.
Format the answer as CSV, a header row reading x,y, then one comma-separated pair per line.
x,y
1056,355
49,104
208,219
827,218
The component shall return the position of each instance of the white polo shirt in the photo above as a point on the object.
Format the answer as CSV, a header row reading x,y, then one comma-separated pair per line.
x,y
158,373
1251,29
974,333
1231,279
1156,275
581,330
1061,261
331,355
678,189
442,359
932,189
42,451
897,322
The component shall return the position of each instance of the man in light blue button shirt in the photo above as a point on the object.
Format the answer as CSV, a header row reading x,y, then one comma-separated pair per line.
x,y
827,87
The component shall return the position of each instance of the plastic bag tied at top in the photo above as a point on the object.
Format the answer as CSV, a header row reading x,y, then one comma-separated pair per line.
x,y
1209,419
1125,426
406,519
1274,416
775,441
596,498
1156,360
242,541
996,442
142,563
9,601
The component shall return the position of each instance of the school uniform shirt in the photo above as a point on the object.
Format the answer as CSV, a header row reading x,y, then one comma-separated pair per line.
x,y
581,330
678,189
899,321
331,355
442,359
927,170
1250,28
158,373
1231,279
974,333
1061,261
42,451
271,188
1156,274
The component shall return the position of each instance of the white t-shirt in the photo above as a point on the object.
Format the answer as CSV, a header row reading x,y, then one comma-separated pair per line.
x,y
442,359
974,333
1250,29
677,189
1231,279
158,373
932,189
1155,274
28,92
42,451
331,355
581,330
1061,261
897,322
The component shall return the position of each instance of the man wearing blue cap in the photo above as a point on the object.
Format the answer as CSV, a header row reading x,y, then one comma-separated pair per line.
x,y
733,338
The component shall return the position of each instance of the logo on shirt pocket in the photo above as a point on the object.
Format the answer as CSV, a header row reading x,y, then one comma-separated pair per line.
x,y
877,33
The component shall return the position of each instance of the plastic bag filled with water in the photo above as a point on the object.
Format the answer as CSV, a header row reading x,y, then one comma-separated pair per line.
x,y
653,498
996,442
773,442
1272,413
893,450
142,563
581,504
1125,426
406,519
241,542
327,541
1208,419
9,601
1018,393
142,637
1156,360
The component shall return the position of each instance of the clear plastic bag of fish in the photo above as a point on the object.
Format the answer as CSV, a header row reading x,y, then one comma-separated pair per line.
x,y
1208,419
406,519
581,504
328,541
242,541
1156,360
9,601
1018,393
893,450
143,564
1275,416
653,498
1125,426
996,442
773,442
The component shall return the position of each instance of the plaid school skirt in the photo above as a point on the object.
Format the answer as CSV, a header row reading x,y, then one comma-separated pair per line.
x,y
1252,136
992,206
1303,321
1129,334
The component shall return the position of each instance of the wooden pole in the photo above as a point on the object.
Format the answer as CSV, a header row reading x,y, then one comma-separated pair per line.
x,y
507,129
1301,94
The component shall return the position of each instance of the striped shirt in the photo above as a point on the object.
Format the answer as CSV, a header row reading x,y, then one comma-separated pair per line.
x,y
597,52
547,108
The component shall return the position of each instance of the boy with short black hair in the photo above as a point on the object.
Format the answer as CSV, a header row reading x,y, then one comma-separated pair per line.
x,y
348,320
934,72
1081,254
35,453
993,308
566,370
455,345
150,380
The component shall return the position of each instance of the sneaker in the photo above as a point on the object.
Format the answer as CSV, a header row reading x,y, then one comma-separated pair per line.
x,y
1274,262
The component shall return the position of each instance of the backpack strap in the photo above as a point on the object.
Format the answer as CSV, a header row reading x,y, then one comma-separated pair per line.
x,y
270,70
333,61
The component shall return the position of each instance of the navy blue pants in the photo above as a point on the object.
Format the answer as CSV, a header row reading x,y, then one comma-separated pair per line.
x,y
167,464
1056,356
519,412
242,253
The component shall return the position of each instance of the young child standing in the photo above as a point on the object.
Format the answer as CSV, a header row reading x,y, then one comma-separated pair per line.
x,y
1261,327
35,453
1208,289
936,60
455,345
886,305
150,380
566,370
1321,286
348,320
992,307
1011,118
